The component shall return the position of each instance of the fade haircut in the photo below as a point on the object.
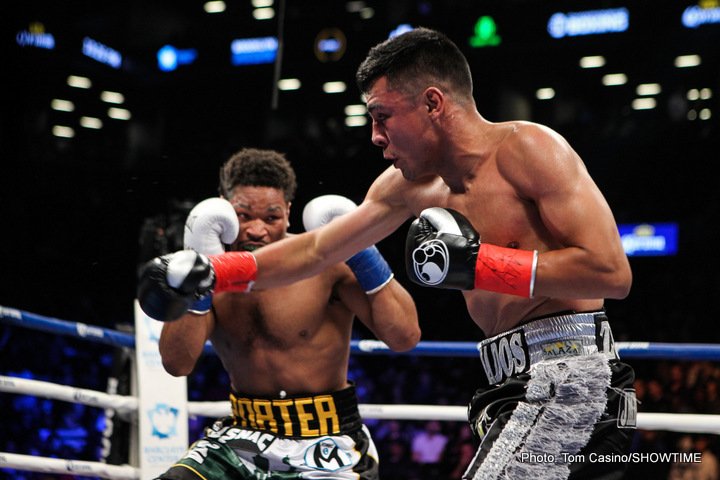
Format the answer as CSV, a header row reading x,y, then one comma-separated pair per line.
x,y
415,60
252,167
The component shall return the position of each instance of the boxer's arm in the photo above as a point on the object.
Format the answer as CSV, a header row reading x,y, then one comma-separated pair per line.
x,y
210,225
380,302
182,342
589,261
307,254
390,314
170,284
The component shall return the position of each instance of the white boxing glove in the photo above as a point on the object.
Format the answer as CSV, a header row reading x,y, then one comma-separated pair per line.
x,y
369,266
321,210
209,225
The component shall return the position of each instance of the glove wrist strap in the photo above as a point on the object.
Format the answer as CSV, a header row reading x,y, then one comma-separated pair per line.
x,y
506,270
202,305
371,269
234,271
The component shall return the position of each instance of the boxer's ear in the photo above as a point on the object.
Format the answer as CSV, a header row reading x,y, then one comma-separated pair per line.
x,y
434,100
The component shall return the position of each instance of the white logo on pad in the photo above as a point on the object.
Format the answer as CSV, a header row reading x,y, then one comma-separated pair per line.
x,y
431,262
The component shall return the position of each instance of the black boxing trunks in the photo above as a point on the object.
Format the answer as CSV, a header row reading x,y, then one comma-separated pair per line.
x,y
292,437
555,402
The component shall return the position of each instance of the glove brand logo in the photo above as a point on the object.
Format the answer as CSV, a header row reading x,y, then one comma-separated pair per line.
x,y
430,262
326,455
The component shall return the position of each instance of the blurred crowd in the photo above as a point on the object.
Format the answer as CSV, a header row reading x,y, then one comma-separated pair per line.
x,y
409,450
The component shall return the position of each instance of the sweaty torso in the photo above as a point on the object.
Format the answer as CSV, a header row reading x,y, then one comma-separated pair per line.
x,y
502,217
294,339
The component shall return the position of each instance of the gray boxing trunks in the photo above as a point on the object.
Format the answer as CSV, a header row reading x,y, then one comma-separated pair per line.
x,y
556,402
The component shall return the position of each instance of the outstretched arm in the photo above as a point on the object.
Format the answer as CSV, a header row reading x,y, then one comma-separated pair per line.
x,y
170,284
302,256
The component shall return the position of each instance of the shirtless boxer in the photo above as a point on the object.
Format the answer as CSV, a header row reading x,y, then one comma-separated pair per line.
x,y
286,349
509,214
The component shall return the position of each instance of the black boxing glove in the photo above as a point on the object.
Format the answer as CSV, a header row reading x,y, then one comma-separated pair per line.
x,y
171,284
443,250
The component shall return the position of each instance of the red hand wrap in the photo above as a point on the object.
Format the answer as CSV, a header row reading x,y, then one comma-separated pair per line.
x,y
506,270
234,271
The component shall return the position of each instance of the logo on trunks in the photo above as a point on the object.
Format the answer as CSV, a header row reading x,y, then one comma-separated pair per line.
x,y
200,451
304,416
605,340
326,455
562,348
627,412
504,356
430,262
247,440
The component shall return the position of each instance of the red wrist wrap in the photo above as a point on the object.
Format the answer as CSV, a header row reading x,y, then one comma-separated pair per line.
x,y
234,271
506,270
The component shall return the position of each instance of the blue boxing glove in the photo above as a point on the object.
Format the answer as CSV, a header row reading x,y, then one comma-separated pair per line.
x,y
370,268
210,225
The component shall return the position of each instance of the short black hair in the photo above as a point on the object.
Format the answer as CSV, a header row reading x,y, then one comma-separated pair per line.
x,y
255,167
415,59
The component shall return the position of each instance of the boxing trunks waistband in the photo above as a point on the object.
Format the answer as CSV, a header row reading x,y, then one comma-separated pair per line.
x,y
333,413
563,335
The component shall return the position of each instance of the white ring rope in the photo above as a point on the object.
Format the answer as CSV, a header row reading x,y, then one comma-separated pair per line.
x,y
122,404
674,422
127,406
75,467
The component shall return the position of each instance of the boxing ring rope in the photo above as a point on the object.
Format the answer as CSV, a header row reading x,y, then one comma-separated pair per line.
x,y
637,350
127,406
123,404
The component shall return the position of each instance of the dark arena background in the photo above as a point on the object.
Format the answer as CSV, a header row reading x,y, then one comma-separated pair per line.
x,y
116,116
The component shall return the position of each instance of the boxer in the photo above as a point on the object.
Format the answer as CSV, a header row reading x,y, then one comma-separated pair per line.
x,y
286,350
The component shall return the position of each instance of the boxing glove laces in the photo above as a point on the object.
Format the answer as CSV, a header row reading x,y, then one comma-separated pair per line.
x,y
443,250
